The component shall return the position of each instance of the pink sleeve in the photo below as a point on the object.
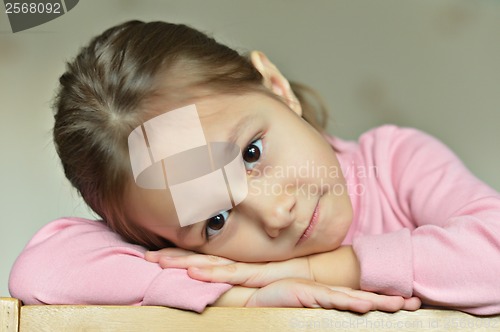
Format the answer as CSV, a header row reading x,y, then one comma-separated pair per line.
x,y
450,256
78,261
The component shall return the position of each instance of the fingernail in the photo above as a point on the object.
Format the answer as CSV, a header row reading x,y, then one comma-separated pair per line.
x,y
196,270
167,258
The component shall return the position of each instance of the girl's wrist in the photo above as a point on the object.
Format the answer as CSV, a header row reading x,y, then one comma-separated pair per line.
x,y
339,267
237,296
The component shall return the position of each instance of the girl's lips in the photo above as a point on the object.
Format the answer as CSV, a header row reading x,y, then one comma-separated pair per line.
x,y
314,220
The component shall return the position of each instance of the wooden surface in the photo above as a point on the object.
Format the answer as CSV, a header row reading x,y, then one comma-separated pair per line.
x,y
127,318
9,314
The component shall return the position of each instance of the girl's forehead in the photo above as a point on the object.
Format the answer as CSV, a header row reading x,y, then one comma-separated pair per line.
x,y
220,105
226,116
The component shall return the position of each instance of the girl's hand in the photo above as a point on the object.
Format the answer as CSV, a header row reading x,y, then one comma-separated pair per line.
x,y
338,267
218,269
305,293
283,284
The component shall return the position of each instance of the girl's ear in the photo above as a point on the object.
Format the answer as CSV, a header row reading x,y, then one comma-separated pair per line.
x,y
275,81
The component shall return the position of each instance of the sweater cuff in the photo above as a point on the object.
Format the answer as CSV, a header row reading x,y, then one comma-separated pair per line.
x,y
386,263
174,288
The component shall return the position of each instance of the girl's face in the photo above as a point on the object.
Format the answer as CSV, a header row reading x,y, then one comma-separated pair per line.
x,y
297,201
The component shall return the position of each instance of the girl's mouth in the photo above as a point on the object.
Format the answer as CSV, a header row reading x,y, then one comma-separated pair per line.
x,y
314,220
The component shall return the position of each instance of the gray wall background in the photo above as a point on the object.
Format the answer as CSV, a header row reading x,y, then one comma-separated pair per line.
x,y
430,64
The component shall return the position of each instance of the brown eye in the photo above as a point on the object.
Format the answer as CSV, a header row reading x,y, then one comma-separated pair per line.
x,y
216,223
252,153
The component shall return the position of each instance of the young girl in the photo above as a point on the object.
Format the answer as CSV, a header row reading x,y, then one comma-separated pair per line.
x,y
395,215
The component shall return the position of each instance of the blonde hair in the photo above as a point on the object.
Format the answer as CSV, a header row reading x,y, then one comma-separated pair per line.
x,y
104,93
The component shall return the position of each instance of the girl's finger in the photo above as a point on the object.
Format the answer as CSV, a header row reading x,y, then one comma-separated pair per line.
x,y
384,302
412,304
380,302
342,301
250,275
300,293
253,274
196,260
154,256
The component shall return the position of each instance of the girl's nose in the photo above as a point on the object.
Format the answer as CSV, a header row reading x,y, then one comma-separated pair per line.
x,y
279,215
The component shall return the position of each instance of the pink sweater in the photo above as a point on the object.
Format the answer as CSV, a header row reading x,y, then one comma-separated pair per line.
x,y
423,226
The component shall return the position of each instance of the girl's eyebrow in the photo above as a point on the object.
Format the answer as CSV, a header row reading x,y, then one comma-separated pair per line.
x,y
236,131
